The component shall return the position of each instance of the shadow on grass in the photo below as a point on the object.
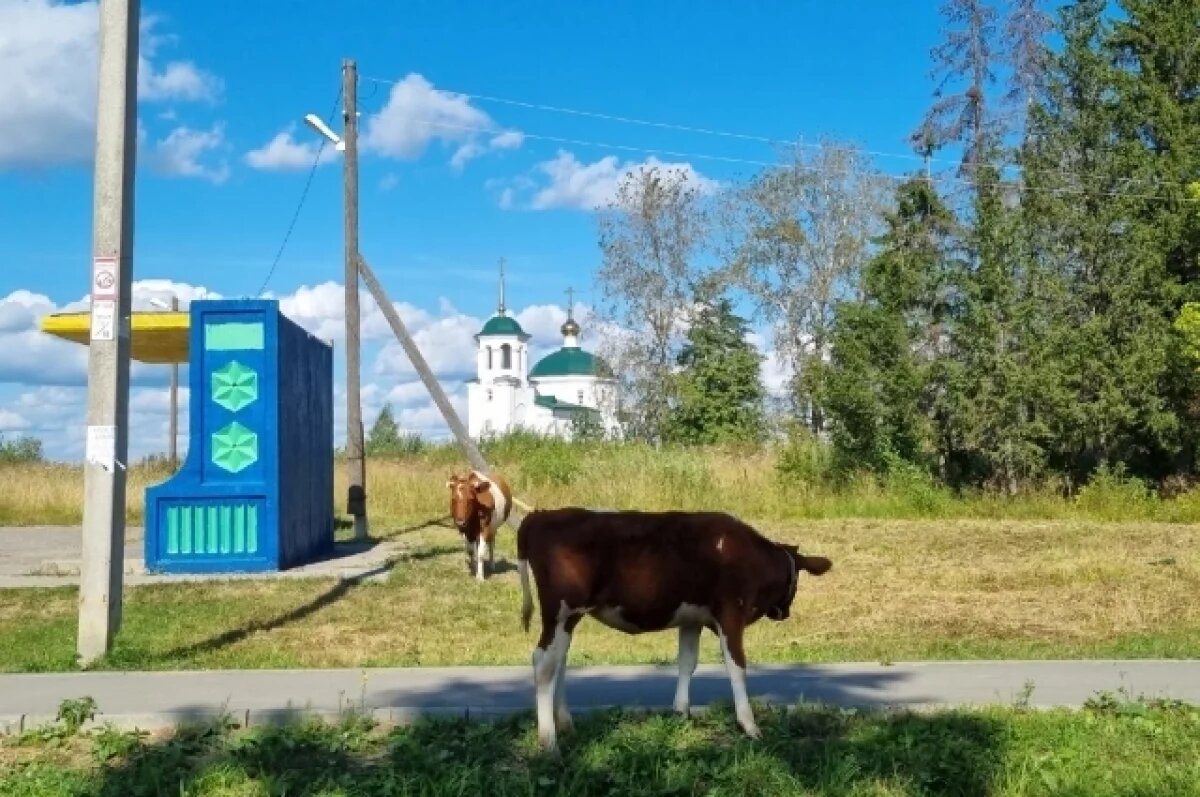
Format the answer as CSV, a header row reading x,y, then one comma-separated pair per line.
x,y
327,598
810,751
442,521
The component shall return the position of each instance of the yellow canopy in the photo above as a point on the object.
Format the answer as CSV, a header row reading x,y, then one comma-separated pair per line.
x,y
158,337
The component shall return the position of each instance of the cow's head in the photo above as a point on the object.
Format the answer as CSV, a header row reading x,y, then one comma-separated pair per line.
x,y
797,563
470,497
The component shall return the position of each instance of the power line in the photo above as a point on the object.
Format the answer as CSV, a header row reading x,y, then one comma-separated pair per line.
x,y
897,178
663,125
300,205
733,135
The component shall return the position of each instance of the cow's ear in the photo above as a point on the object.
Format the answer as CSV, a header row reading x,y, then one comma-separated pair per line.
x,y
483,486
817,565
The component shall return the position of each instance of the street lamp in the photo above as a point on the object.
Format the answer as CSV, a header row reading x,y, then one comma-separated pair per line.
x,y
315,122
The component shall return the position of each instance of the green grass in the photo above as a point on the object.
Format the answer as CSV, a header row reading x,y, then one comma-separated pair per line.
x,y
1109,748
899,590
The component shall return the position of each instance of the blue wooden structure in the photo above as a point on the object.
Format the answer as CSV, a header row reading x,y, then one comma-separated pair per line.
x,y
256,489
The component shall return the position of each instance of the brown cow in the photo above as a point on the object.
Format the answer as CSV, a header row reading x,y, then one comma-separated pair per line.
x,y
479,505
650,571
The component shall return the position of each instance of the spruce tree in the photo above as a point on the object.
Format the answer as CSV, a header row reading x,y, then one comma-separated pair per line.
x,y
884,384
719,388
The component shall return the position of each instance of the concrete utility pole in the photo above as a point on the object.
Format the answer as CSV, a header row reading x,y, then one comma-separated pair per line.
x,y
102,568
173,447
356,499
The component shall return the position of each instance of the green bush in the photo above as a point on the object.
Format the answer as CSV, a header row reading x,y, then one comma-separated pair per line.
x,y
20,451
1112,495
803,458
913,486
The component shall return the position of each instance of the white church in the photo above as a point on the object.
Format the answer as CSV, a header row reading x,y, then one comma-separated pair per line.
x,y
507,395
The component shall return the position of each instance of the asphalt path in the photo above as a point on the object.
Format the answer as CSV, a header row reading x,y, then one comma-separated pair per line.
x,y
152,700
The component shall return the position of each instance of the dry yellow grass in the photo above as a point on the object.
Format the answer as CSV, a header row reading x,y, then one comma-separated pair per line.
x,y
746,482
899,590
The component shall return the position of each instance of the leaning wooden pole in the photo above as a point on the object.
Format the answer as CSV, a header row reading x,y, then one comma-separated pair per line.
x,y
469,449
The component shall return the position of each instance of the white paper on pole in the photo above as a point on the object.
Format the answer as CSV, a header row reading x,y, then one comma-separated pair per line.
x,y
101,446
104,319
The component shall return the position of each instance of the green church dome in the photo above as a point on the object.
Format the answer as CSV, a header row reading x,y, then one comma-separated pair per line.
x,y
502,325
570,362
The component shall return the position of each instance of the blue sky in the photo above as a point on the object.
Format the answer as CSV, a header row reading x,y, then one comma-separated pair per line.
x,y
224,157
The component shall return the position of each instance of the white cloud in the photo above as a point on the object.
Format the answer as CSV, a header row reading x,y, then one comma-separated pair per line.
x,y
58,417
11,421
48,56
320,309
180,154
417,114
29,356
389,181
566,182
776,370
509,139
446,344
283,152
178,80
50,374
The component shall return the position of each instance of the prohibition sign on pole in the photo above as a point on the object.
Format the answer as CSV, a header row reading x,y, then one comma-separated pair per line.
x,y
104,278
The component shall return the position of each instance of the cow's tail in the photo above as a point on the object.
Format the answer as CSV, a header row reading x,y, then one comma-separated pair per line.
x,y
523,570
526,595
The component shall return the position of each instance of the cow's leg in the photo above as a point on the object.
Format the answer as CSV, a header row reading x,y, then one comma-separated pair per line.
x,y
480,553
548,663
689,652
470,548
562,714
730,633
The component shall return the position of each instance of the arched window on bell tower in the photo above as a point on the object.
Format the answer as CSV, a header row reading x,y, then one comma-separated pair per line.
x,y
506,357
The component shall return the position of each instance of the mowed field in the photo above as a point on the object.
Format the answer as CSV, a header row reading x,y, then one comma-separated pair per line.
x,y
899,590
918,573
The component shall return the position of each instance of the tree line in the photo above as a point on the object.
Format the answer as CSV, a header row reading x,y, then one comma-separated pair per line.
x,y
1023,314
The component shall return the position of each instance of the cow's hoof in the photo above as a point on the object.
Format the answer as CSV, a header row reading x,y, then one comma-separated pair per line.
x,y
683,709
752,731
565,723
548,743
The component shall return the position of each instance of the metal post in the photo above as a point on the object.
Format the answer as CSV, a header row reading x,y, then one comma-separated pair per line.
x,y
102,566
173,447
356,499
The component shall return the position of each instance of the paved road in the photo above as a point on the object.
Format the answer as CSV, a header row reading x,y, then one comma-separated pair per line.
x,y
155,700
48,556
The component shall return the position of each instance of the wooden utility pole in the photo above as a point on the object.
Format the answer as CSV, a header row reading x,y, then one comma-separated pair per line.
x,y
356,499
173,445
101,577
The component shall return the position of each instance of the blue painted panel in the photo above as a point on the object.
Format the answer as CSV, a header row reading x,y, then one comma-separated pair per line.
x,y
306,445
256,489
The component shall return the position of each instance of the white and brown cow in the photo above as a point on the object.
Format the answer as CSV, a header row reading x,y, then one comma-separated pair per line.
x,y
650,571
479,505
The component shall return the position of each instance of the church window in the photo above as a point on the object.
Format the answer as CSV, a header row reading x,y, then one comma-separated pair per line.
x,y
489,351
506,356
579,396
489,395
